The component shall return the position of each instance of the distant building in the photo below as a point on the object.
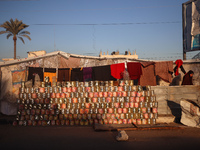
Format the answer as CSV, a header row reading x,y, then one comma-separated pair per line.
x,y
30,54
197,56
36,53
7,59
114,54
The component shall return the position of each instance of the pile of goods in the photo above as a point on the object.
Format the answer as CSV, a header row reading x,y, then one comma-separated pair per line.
x,y
86,103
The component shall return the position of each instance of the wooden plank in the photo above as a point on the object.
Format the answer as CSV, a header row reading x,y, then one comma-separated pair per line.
x,y
152,128
161,91
161,98
162,107
177,101
184,89
163,111
162,104
165,118
182,96
159,87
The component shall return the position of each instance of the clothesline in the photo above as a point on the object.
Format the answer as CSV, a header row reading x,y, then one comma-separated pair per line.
x,y
147,71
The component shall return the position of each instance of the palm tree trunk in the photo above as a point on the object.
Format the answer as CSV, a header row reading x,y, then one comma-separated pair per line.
x,y
15,41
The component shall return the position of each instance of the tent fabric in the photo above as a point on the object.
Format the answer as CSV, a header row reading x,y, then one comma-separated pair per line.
x,y
69,63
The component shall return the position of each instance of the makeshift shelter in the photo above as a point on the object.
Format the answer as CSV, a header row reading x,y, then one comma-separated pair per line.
x,y
15,71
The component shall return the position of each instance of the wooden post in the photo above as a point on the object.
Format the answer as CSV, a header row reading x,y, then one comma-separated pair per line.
x,y
183,30
184,55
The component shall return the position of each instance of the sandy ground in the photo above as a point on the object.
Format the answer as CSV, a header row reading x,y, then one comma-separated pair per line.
x,y
84,137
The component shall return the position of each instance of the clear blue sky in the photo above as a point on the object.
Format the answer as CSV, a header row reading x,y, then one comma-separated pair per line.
x,y
151,27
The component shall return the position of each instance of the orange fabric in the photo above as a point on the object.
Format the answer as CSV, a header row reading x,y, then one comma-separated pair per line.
x,y
70,70
50,75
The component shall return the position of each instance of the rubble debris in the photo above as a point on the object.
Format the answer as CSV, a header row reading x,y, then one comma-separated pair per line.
x,y
122,136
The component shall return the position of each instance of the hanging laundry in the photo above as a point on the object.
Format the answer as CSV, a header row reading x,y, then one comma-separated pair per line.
x,y
187,78
135,71
52,70
179,64
102,73
51,73
63,74
148,74
163,70
117,69
87,74
32,71
77,74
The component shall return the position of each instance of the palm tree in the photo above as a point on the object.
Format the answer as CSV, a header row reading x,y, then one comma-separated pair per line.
x,y
14,28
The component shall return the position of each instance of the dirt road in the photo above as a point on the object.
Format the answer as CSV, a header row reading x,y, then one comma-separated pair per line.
x,y
70,138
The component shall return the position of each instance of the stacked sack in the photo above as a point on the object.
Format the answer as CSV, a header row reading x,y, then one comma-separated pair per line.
x,y
86,103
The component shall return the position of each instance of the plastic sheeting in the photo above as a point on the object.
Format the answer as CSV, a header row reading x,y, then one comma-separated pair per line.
x,y
190,114
32,63
51,62
8,108
6,84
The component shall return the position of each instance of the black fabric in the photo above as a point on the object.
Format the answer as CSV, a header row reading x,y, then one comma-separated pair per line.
x,y
52,70
181,67
32,71
63,74
102,73
77,74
